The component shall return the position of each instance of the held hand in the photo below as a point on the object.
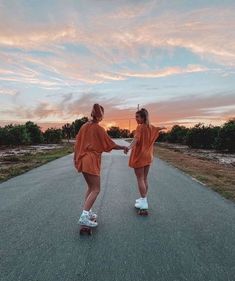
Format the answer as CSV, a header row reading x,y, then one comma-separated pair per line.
x,y
126,149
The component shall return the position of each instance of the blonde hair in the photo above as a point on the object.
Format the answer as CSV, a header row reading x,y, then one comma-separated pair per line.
x,y
97,112
144,115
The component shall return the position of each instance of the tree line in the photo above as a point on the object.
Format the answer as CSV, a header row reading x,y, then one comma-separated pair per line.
x,y
199,136
70,130
202,136
28,133
31,133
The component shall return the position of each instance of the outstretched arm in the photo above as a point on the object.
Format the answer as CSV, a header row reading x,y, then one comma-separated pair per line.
x,y
161,128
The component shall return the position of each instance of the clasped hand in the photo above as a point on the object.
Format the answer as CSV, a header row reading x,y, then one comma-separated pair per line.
x,y
126,149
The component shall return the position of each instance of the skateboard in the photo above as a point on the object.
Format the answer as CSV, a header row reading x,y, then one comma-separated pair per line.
x,y
84,229
142,212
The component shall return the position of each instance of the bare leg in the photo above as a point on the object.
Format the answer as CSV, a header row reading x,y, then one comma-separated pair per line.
x,y
93,183
146,170
139,172
87,192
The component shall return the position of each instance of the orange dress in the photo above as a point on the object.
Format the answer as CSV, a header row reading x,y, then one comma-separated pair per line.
x,y
91,141
142,152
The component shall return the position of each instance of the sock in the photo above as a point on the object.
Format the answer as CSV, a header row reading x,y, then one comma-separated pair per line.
x,y
84,212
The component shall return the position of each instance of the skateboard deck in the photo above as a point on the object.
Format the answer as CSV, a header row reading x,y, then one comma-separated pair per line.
x,y
84,229
142,212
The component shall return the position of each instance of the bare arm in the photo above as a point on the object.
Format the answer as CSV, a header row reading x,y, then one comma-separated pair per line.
x,y
119,147
133,143
74,150
161,128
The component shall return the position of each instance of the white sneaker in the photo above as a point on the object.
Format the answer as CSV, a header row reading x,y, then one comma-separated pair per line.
x,y
85,220
92,215
137,200
142,204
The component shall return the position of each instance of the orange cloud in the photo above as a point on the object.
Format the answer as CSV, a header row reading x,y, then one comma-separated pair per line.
x,y
184,110
131,35
128,29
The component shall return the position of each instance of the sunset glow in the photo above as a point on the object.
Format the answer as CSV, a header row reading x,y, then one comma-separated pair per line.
x,y
176,58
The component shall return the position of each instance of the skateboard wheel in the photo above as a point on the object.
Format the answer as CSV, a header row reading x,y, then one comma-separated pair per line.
x,y
143,212
85,230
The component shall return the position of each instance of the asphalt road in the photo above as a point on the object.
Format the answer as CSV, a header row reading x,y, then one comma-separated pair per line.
x,y
189,234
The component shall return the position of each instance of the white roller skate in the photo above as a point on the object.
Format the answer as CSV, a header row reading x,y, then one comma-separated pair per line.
x,y
142,206
142,203
86,221
92,216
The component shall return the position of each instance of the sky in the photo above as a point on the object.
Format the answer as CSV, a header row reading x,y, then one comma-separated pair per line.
x,y
175,58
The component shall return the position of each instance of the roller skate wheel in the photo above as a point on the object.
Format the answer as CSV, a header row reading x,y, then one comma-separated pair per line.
x,y
85,230
143,212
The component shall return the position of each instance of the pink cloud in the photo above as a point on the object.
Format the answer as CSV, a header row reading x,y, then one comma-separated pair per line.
x,y
184,109
166,72
203,31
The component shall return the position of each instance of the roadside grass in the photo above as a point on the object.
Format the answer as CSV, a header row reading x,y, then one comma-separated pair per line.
x,y
219,177
14,165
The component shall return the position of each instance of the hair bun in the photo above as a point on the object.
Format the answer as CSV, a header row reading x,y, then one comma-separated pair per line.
x,y
145,110
97,111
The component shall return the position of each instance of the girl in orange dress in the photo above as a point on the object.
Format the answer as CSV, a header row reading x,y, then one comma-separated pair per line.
x,y
142,153
91,141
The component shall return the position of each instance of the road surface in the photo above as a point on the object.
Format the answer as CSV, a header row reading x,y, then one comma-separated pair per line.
x,y
189,234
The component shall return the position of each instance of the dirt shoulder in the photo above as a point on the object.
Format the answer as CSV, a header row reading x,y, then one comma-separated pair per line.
x,y
18,160
220,176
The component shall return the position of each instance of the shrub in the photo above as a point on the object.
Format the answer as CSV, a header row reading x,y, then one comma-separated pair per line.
x,y
201,136
52,135
177,134
77,124
34,132
114,132
226,137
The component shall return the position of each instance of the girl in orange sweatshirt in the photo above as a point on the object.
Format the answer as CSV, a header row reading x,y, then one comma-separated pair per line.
x,y
142,153
91,141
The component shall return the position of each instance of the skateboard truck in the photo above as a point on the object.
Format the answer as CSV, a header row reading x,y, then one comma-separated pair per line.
x,y
143,212
84,229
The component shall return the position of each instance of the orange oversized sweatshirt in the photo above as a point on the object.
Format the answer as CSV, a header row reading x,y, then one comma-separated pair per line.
x,y
91,141
142,152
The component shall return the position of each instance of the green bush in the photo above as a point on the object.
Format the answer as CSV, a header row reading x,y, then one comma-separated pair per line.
x,y
177,134
226,137
34,132
201,136
77,124
125,133
114,132
3,135
163,137
52,135
16,135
